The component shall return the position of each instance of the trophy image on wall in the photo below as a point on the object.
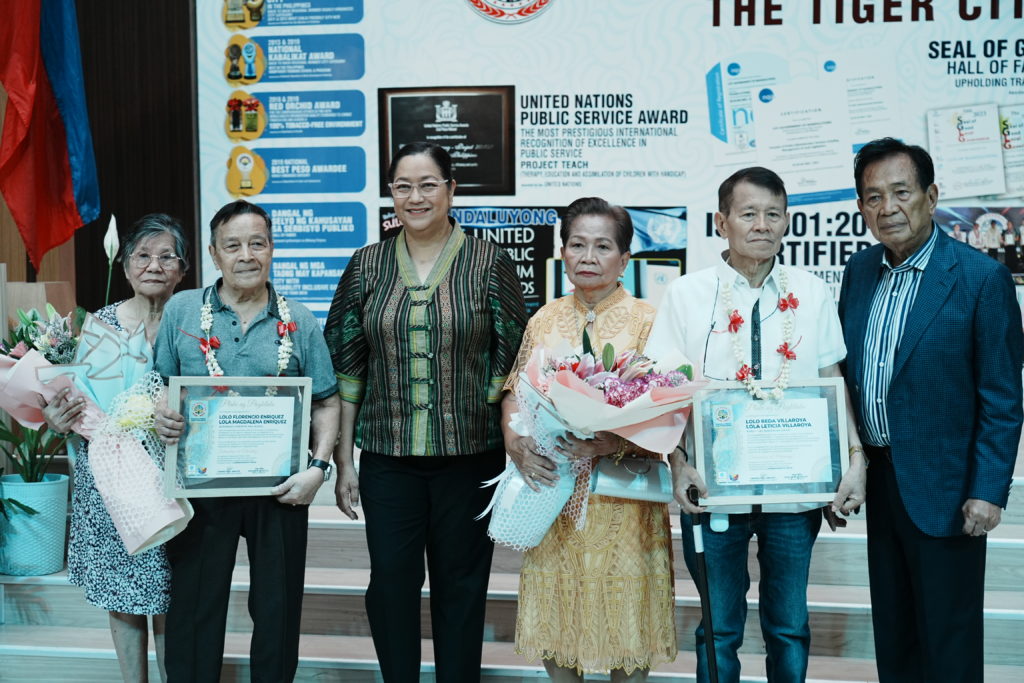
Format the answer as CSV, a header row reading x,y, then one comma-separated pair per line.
x,y
252,114
247,173
234,52
233,12
249,56
245,164
255,8
235,112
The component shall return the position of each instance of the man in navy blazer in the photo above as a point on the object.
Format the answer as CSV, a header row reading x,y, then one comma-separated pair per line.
x,y
935,345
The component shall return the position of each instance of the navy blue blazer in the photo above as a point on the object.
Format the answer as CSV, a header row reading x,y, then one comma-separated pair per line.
x,y
954,403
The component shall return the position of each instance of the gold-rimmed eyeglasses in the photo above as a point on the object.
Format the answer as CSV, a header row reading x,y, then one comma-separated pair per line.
x,y
428,188
165,261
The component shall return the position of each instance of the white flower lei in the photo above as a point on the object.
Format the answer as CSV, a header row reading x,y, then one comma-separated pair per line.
x,y
284,353
787,336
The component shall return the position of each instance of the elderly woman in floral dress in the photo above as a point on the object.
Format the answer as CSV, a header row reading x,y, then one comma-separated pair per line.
x,y
600,598
129,587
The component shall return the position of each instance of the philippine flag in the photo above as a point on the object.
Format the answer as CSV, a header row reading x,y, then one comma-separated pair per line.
x,y
47,167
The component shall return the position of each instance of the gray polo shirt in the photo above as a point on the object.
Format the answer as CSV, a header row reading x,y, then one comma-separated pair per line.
x,y
249,354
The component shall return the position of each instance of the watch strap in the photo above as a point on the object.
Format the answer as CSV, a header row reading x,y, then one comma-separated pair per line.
x,y
323,465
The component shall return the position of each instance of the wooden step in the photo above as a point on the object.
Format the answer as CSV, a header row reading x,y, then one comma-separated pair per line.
x,y
839,558
334,605
45,654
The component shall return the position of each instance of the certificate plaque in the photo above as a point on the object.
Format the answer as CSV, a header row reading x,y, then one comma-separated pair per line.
x,y
751,451
473,123
243,435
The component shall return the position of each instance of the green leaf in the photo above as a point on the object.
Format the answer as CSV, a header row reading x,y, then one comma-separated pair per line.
x,y
79,318
17,506
608,357
587,348
687,370
31,451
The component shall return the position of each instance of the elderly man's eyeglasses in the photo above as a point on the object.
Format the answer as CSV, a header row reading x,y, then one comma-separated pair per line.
x,y
428,188
165,261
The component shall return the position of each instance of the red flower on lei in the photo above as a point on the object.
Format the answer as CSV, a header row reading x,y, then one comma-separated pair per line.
x,y
284,328
744,373
735,321
204,344
787,351
788,302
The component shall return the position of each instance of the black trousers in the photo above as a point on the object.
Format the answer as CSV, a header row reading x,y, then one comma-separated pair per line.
x,y
927,593
202,558
427,504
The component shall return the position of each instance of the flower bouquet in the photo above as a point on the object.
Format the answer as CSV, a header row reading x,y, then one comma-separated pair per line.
x,y
36,343
112,369
628,394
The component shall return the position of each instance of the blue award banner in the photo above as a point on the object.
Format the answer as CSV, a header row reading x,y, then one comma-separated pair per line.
x,y
313,12
313,169
337,57
309,279
322,113
340,225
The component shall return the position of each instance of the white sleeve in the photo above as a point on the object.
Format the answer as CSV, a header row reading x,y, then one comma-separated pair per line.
x,y
668,332
831,346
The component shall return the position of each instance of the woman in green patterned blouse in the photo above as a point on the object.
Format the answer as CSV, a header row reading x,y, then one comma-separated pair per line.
x,y
423,330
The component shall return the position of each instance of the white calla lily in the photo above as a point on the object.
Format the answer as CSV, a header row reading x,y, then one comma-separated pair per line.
x,y
110,242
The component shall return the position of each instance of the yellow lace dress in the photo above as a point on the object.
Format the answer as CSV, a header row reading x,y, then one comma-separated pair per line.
x,y
601,598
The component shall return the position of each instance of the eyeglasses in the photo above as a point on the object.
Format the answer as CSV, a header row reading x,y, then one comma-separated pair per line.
x,y
428,188
165,261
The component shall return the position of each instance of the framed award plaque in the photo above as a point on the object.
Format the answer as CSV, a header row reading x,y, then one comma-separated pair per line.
x,y
752,451
243,435
473,123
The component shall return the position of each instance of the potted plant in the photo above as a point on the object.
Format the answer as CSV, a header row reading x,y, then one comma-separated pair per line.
x,y
33,544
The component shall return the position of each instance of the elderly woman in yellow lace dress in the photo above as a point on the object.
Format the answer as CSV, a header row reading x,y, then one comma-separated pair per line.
x,y
601,598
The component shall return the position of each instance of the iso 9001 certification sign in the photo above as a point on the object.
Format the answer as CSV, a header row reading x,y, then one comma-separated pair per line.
x,y
509,11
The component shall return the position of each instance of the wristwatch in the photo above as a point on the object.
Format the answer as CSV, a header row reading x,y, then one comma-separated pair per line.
x,y
323,465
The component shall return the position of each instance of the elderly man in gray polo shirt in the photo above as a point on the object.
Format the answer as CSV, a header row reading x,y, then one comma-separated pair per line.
x,y
259,333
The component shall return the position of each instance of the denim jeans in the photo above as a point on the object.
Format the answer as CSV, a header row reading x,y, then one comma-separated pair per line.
x,y
784,542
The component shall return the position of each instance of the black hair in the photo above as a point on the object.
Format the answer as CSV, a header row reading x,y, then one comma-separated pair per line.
x,y
435,152
595,206
884,148
758,176
239,207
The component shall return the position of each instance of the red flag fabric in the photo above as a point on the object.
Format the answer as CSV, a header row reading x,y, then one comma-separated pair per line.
x,y
36,176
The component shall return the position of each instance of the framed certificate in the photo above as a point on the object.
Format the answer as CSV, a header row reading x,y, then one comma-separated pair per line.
x,y
243,435
475,124
751,451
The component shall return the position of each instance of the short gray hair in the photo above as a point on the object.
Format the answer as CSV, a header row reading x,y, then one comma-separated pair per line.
x,y
156,224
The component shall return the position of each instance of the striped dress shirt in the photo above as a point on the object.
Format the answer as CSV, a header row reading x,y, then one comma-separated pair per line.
x,y
890,308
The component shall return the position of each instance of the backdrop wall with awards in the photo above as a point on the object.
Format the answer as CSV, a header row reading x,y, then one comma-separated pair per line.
x,y
643,102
